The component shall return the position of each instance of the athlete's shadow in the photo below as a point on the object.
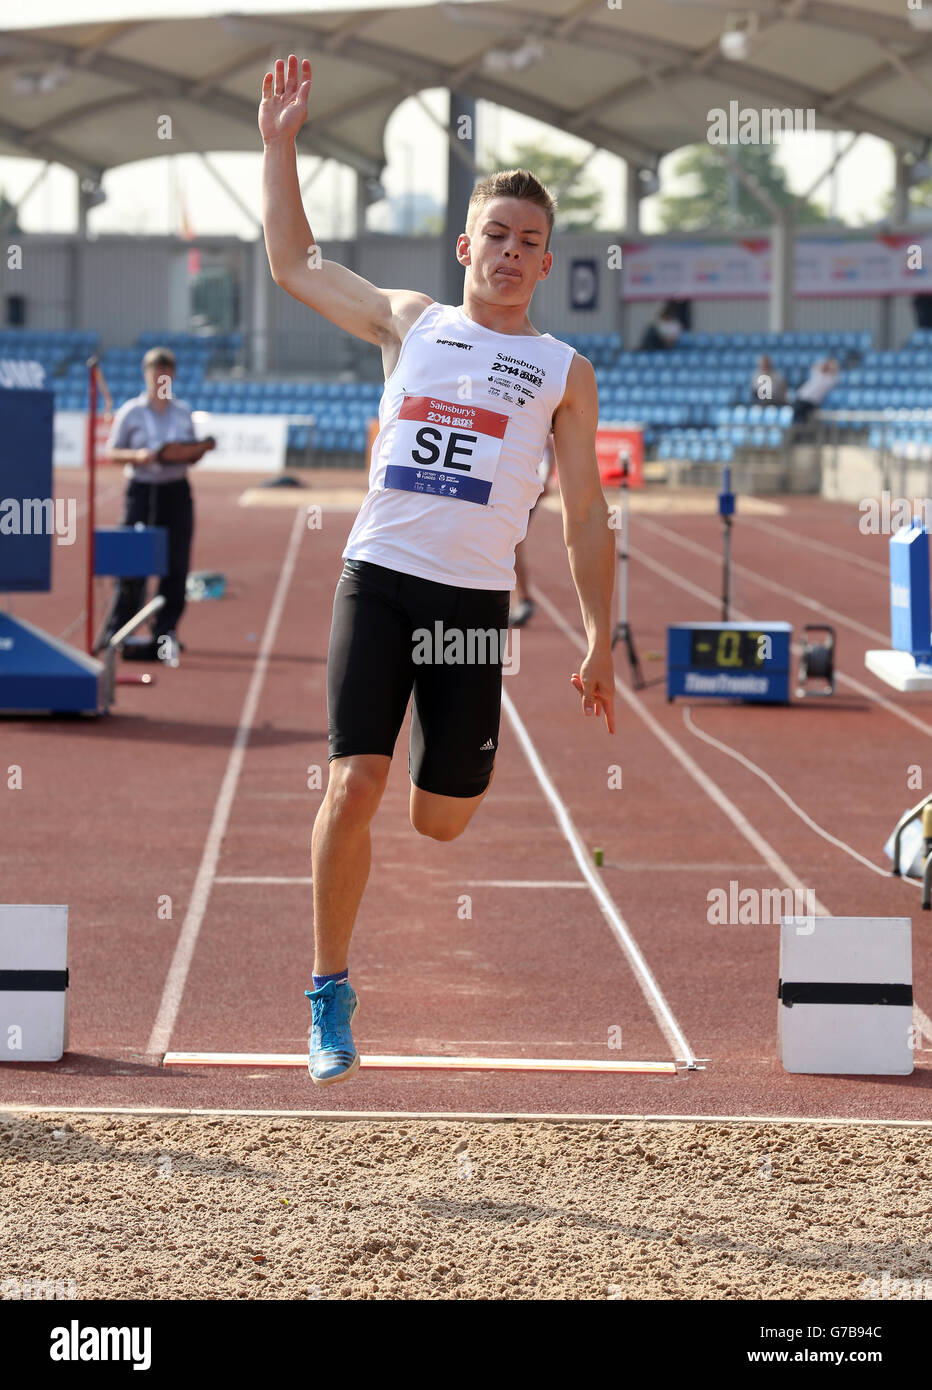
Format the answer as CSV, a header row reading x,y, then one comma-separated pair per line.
x,y
143,728
69,1139
868,1259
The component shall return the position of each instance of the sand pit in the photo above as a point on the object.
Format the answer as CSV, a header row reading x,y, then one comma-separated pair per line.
x,y
250,1207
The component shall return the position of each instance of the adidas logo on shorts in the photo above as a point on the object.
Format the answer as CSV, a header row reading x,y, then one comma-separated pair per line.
x,y
486,746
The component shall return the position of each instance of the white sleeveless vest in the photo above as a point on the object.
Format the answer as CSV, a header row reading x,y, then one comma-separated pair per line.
x,y
463,423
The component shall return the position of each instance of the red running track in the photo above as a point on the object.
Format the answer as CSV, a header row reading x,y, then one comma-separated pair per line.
x,y
200,782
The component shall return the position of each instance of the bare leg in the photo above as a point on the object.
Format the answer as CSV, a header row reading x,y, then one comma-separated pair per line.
x,y
522,578
443,817
341,853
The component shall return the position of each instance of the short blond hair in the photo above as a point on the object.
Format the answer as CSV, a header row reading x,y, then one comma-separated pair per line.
x,y
511,183
159,357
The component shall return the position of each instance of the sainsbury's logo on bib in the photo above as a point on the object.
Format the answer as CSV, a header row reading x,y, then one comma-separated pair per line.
x,y
445,448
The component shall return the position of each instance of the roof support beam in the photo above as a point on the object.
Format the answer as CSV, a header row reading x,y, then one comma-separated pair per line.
x,y
460,148
830,168
25,142
14,209
841,18
881,74
783,90
422,72
787,93
896,45
144,80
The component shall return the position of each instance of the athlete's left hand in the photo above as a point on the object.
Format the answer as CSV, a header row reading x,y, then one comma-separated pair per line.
x,y
595,682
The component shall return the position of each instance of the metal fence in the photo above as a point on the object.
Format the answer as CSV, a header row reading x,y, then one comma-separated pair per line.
x,y
900,439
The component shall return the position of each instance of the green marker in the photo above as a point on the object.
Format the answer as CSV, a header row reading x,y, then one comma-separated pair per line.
x,y
597,856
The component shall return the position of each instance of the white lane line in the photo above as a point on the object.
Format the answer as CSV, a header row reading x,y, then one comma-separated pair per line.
x,y
525,883
397,1063
233,878
649,987
785,797
705,596
712,790
920,1018
772,585
490,1117
790,537
187,940
690,868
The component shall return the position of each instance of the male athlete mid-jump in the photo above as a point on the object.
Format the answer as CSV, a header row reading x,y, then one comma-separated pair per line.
x,y
471,393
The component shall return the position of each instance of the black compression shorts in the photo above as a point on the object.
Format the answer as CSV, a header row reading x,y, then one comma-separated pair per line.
x,y
392,634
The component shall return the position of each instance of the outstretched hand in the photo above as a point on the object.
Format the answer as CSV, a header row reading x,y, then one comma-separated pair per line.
x,y
595,682
283,108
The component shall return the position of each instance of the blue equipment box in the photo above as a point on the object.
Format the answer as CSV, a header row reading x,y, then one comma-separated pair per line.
x,y
742,661
26,503
39,672
130,551
910,611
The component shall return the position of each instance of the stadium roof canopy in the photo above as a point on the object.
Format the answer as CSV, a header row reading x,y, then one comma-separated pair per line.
x,y
638,80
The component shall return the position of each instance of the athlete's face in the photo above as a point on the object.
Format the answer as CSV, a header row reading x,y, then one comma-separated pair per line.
x,y
505,255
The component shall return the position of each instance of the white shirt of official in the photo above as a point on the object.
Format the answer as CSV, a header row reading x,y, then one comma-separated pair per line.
x,y
137,425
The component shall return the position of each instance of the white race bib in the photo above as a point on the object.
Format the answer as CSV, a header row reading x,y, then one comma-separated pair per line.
x,y
449,449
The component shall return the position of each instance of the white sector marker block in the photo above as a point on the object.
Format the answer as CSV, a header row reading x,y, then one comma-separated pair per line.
x,y
33,982
846,995
898,669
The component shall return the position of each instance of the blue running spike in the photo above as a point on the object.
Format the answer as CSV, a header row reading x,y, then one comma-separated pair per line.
x,y
332,1054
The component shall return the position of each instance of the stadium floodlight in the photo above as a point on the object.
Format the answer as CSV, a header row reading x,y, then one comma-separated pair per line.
x,y
514,59
740,32
40,81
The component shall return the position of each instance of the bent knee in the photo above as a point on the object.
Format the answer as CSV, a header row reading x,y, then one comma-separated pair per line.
x,y
441,821
437,829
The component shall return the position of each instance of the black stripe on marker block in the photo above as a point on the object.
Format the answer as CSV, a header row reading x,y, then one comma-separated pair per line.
x,y
829,992
33,979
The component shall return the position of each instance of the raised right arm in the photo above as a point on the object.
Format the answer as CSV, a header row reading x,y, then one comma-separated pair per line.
x,y
346,299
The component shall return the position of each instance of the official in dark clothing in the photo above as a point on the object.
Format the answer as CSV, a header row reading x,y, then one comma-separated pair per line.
x,y
158,494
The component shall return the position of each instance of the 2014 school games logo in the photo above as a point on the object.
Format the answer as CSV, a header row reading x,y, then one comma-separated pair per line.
x,y
515,375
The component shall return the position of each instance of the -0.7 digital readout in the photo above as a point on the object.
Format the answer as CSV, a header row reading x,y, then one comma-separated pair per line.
x,y
728,649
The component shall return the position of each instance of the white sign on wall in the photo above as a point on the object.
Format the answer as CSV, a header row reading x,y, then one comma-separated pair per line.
x,y
20,372
245,443
830,267
69,442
